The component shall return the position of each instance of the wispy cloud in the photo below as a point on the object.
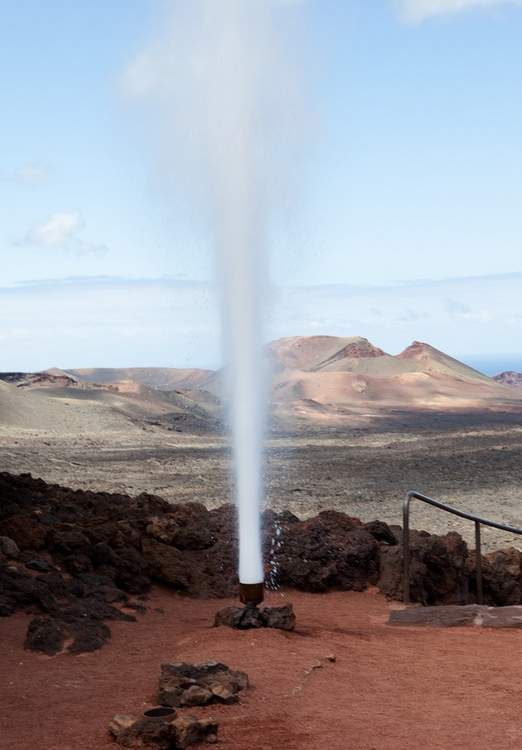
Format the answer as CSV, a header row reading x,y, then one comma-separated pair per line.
x,y
30,174
58,229
420,10
412,316
62,230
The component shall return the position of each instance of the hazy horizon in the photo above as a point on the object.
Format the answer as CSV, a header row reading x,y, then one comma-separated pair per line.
x,y
485,365
124,322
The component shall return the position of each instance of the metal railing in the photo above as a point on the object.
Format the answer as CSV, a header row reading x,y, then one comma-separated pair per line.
x,y
477,520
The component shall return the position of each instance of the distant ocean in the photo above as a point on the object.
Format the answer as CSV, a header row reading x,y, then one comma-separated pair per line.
x,y
493,365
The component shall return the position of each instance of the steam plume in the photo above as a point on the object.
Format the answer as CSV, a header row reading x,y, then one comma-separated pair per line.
x,y
226,95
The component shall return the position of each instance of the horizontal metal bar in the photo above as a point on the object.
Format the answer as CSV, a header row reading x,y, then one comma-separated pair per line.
x,y
461,513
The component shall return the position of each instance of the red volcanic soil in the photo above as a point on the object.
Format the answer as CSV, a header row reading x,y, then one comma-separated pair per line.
x,y
389,688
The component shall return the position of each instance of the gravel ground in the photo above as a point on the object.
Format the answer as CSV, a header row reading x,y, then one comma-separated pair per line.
x,y
475,465
344,680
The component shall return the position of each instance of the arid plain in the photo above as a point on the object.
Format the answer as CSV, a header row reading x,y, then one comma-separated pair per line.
x,y
352,429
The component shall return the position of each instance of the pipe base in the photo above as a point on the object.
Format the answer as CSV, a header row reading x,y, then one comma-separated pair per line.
x,y
251,594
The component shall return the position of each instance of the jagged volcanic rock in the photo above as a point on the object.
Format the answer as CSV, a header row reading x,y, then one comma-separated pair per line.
x,y
330,551
79,557
501,575
247,618
175,734
438,569
45,635
9,548
184,684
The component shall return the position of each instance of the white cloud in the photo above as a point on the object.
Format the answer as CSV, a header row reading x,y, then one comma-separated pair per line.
x,y
419,10
62,230
30,174
57,230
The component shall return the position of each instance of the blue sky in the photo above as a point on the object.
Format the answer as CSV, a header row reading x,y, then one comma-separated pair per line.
x,y
411,173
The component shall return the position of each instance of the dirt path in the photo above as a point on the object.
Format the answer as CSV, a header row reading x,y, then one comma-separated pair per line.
x,y
389,689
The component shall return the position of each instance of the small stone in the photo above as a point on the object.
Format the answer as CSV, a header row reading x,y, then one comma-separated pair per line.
x,y
190,731
196,696
240,618
313,666
381,532
88,635
331,658
41,566
7,605
45,635
246,618
9,547
183,684
144,732
280,618
224,694
120,723
252,617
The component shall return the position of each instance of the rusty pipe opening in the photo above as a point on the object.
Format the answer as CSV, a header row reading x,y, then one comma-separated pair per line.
x,y
161,713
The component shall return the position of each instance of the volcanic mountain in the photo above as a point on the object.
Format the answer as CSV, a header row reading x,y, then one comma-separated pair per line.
x,y
321,380
61,403
52,378
325,377
160,378
511,378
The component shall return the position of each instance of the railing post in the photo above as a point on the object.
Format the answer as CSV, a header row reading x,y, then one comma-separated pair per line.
x,y
478,563
406,549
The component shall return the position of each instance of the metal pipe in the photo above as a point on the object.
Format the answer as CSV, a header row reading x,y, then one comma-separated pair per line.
x,y
251,594
406,549
478,563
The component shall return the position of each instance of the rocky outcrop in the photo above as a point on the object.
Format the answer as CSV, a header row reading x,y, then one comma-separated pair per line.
x,y
330,551
75,560
438,569
502,577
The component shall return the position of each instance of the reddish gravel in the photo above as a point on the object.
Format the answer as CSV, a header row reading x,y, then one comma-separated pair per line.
x,y
389,689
